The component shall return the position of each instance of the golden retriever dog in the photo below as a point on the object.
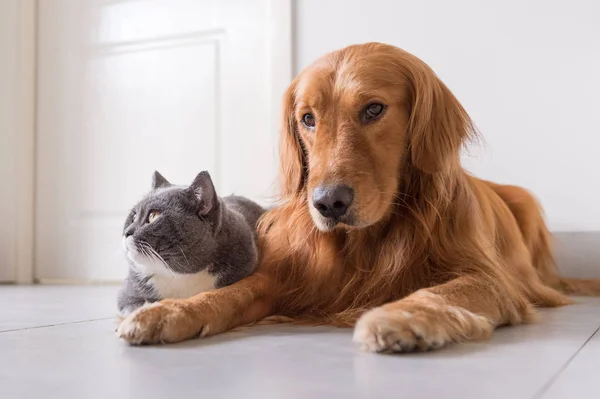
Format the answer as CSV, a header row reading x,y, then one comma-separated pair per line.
x,y
380,227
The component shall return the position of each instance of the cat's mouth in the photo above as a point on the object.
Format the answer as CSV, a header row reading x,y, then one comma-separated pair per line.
x,y
131,250
146,261
129,245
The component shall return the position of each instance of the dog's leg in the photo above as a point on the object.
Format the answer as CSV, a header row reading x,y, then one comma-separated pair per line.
x,y
466,308
204,314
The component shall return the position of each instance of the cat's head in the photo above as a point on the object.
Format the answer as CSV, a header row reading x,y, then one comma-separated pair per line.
x,y
173,228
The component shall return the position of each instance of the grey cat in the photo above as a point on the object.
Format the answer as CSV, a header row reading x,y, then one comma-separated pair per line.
x,y
181,241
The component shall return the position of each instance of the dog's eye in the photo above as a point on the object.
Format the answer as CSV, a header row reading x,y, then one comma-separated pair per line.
x,y
153,216
373,111
308,120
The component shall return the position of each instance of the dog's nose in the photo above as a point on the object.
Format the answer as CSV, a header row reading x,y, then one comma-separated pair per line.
x,y
332,201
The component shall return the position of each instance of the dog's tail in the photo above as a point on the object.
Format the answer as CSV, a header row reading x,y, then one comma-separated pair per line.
x,y
576,286
548,271
546,267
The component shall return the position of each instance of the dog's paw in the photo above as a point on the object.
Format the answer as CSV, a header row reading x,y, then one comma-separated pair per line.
x,y
413,326
380,330
159,322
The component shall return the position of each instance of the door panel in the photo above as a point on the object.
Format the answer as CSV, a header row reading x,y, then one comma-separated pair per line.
x,y
127,87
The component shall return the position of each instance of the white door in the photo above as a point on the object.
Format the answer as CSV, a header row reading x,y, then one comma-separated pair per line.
x,y
126,87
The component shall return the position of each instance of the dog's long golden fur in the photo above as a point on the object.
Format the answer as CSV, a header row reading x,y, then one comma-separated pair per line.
x,y
425,255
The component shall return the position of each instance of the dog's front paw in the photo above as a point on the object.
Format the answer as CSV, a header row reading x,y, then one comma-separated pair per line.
x,y
416,326
159,322
380,330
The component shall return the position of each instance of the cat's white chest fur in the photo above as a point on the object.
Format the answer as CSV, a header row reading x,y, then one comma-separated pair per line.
x,y
182,285
167,283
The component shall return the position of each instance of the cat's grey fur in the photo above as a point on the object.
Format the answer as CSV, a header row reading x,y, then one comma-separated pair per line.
x,y
197,237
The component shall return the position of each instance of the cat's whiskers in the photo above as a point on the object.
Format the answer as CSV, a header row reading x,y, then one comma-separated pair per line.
x,y
189,267
155,256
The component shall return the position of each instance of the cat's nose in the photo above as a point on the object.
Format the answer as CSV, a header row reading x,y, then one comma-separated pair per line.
x,y
129,232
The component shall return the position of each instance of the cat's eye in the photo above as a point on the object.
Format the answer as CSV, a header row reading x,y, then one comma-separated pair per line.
x,y
135,217
152,216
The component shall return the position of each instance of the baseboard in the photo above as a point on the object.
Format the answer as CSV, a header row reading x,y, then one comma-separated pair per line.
x,y
578,253
61,281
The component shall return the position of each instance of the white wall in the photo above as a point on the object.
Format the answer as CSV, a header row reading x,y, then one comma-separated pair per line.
x,y
528,72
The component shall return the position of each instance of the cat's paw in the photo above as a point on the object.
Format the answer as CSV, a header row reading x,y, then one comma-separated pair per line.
x,y
159,322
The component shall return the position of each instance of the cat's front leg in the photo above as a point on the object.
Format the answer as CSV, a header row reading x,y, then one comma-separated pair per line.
x,y
208,313
133,295
130,306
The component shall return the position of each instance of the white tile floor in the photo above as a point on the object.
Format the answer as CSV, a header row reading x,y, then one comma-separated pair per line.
x,y
58,342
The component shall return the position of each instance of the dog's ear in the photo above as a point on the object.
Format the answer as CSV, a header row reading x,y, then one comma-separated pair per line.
x,y
438,124
292,158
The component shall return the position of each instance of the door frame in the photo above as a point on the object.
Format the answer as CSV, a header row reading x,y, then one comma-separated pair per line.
x,y
281,15
281,71
23,184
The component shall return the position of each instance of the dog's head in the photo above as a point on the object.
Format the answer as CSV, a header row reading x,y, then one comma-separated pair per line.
x,y
354,122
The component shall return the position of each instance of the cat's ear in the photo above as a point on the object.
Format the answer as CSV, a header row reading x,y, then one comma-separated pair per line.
x,y
204,190
159,181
